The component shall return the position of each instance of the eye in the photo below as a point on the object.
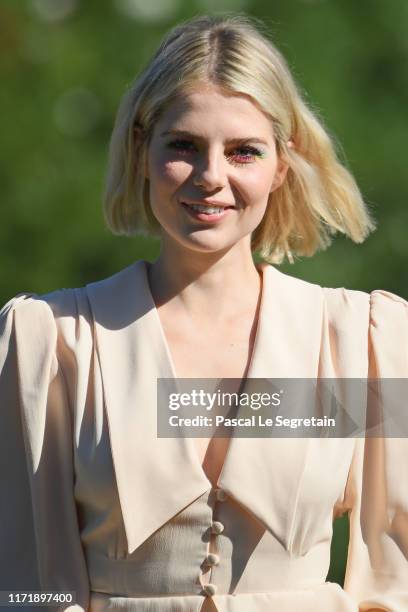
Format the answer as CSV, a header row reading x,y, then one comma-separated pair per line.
x,y
246,154
239,156
180,145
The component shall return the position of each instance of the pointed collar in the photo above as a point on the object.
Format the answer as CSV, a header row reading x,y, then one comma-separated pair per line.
x,y
158,477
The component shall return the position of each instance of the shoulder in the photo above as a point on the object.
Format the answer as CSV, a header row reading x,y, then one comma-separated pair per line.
x,y
49,309
38,325
382,312
65,316
27,311
378,318
388,335
387,307
379,307
30,337
63,304
336,303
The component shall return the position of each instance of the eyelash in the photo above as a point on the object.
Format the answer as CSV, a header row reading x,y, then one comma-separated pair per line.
x,y
174,144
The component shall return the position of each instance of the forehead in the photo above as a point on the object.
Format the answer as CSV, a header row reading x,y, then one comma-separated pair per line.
x,y
207,109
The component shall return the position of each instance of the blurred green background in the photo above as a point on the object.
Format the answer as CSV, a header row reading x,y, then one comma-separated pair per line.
x,y
64,64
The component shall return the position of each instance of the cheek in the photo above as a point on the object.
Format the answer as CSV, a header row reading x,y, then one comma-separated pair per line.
x,y
255,184
169,173
176,172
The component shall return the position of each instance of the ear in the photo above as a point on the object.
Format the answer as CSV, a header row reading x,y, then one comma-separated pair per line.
x,y
280,174
138,138
282,169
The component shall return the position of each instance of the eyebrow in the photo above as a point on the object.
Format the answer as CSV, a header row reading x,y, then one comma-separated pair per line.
x,y
229,141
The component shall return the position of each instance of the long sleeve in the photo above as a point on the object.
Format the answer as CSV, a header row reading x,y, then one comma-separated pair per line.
x,y
40,543
377,490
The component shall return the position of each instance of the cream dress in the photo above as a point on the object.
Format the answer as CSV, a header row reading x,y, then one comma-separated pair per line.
x,y
94,502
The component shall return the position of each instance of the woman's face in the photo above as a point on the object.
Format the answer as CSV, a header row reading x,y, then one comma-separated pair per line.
x,y
216,151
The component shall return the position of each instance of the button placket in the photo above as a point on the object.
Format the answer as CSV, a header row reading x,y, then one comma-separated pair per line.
x,y
210,589
217,527
212,559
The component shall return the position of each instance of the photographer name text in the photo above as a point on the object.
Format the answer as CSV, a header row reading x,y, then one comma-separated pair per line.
x,y
255,420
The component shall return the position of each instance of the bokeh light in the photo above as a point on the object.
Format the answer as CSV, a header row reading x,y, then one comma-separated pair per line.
x,y
223,5
54,10
148,10
77,111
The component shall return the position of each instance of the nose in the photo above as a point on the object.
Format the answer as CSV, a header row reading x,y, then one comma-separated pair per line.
x,y
209,171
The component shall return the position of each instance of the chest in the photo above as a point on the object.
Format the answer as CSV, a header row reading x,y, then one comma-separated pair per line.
x,y
211,352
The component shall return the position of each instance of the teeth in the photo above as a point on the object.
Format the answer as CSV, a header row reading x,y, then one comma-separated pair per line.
x,y
206,209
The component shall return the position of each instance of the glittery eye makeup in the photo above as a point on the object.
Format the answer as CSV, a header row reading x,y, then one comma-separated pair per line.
x,y
240,155
248,152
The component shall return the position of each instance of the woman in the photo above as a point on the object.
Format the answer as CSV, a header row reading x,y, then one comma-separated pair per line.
x,y
215,151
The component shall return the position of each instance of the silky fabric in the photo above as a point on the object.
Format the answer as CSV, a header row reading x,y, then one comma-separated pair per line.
x,y
95,502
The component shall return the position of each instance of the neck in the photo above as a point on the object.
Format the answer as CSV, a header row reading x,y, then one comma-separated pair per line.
x,y
219,284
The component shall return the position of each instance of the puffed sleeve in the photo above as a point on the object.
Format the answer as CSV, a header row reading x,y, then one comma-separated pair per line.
x,y
377,490
40,543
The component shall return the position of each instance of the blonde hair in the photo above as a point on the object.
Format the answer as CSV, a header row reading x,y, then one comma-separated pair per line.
x,y
318,197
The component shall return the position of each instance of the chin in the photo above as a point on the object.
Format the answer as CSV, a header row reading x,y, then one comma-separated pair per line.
x,y
206,246
202,244
201,241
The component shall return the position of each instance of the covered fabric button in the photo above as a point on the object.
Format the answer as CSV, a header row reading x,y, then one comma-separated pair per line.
x,y
210,589
217,527
220,495
212,559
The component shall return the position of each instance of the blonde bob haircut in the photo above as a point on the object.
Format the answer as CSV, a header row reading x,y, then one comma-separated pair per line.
x,y
318,197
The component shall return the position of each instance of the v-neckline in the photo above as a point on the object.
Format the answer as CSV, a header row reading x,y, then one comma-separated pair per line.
x,y
293,341
262,267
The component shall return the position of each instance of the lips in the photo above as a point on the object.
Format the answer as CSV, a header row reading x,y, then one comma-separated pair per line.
x,y
205,209
207,213
208,203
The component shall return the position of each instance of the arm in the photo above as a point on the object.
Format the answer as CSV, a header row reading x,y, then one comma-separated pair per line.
x,y
40,542
377,565
377,489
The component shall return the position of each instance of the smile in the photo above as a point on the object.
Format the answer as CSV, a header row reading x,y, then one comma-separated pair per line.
x,y
207,213
206,209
